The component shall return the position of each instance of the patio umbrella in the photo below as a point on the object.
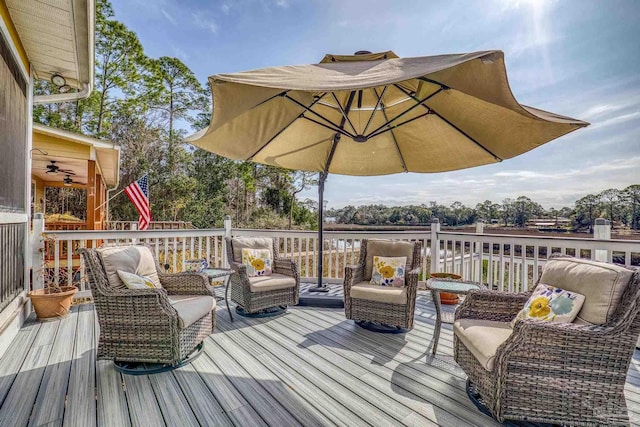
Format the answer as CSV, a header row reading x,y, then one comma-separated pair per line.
x,y
375,114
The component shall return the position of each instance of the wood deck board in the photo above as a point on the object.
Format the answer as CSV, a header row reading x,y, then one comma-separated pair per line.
x,y
17,407
309,367
81,403
49,408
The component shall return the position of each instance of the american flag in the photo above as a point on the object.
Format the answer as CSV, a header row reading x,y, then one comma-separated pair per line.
x,y
138,192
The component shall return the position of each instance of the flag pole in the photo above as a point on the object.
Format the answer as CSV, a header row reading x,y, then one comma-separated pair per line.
x,y
115,195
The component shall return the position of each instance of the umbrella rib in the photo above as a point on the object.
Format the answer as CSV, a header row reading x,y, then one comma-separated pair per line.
x,y
393,135
336,138
390,128
418,103
285,127
469,137
334,128
344,114
373,113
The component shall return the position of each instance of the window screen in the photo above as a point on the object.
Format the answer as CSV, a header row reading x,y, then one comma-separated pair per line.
x,y
13,132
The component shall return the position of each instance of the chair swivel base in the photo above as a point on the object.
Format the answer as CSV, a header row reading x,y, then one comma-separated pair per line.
x,y
380,328
267,312
144,368
476,399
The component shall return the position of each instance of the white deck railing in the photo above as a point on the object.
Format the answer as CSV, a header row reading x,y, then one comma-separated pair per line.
x,y
506,262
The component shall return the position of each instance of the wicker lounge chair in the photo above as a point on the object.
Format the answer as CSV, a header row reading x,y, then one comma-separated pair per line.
x,y
382,305
256,294
565,373
154,325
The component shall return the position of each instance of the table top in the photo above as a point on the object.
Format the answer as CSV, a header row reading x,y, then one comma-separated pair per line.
x,y
217,272
453,286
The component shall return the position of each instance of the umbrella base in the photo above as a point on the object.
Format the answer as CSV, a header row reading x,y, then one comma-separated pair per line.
x,y
321,301
323,288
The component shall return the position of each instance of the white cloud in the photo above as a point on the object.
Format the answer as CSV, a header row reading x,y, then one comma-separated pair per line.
x,y
205,21
169,17
225,7
282,3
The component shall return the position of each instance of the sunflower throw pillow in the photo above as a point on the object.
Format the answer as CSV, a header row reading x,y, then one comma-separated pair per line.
x,y
388,271
551,304
258,261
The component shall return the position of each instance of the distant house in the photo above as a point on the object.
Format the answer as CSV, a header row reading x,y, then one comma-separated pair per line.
x,y
330,220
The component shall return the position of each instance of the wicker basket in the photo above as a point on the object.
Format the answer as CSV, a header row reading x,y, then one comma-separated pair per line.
x,y
447,297
48,305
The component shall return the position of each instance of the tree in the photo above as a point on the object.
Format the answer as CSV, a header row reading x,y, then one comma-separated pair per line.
x,y
631,197
506,211
611,198
119,60
524,209
301,180
175,91
586,209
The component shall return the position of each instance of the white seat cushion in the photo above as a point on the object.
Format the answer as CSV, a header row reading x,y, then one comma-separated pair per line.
x,y
192,308
131,259
482,338
386,294
271,283
602,285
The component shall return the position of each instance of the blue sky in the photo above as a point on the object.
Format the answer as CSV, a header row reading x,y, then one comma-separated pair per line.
x,y
579,58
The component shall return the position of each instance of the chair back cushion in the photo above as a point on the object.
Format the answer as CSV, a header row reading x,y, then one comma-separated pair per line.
x,y
131,259
386,248
240,243
602,285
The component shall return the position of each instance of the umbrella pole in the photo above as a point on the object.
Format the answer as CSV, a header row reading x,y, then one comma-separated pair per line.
x,y
321,287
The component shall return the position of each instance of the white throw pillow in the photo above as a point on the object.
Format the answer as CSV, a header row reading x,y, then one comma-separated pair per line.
x,y
134,281
388,271
258,262
551,304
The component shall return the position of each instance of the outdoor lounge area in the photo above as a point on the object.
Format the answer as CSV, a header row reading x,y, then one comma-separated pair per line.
x,y
308,367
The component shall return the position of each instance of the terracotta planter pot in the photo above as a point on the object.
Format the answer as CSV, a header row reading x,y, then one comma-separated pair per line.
x,y
48,305
446,297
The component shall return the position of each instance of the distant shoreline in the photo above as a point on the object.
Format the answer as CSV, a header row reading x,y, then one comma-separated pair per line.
x,y
488,229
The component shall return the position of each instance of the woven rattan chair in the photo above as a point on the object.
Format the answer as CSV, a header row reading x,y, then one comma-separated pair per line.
x,y
255,294
382,305
564,373
154,325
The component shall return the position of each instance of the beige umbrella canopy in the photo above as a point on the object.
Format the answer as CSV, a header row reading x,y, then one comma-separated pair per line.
x,y
376,114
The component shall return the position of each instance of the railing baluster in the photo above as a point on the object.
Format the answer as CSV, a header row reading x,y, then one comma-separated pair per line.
x,y
501,269
69,262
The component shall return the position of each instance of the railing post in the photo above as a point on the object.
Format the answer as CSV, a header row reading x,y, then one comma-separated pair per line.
x,y
227,233
476,265
435,246
37,251
602,231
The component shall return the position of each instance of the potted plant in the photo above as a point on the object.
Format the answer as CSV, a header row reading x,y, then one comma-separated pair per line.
x,y
447,297
52,300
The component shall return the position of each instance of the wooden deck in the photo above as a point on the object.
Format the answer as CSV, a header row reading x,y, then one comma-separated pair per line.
x,y
309,367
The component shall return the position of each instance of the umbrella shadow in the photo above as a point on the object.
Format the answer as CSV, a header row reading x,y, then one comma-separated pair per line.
x,y
346,337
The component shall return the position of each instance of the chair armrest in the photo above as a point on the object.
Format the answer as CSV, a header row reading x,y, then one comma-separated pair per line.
x,y
588,347
411,277
492,305
139,303
239,268
352,274
186,283
286,266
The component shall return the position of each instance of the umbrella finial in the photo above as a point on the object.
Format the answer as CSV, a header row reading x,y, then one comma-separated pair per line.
x,y
362,52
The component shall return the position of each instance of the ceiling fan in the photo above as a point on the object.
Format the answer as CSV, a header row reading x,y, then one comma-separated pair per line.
x,y
67,181
54,169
